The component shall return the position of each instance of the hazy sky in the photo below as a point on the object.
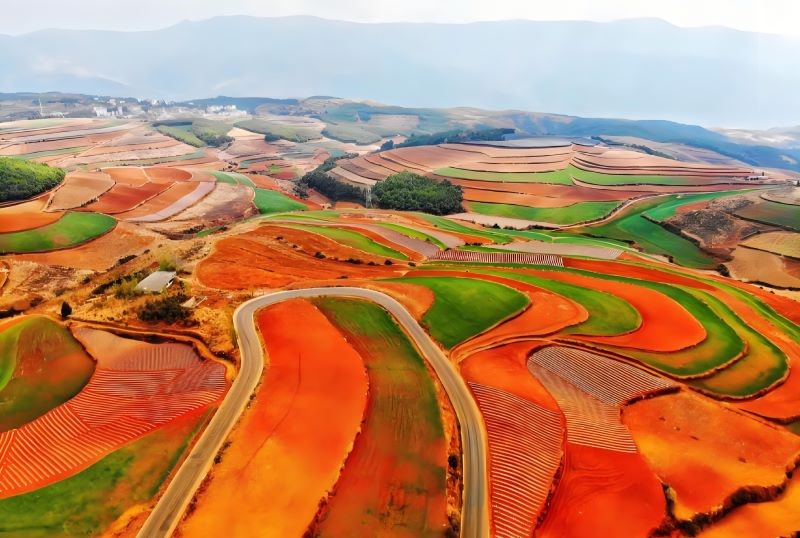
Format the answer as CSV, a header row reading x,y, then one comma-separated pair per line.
x,y
21,16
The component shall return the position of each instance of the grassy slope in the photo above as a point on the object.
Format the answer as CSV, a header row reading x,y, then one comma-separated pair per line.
x,y
87,503
268,201
630,225
41,367
608,314
352,239
464,307
407,453
785,215
70,230
572,214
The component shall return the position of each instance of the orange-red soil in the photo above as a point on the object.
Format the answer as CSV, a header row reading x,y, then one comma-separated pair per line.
x,y
705,451
603,493
26,216
257,259
286,453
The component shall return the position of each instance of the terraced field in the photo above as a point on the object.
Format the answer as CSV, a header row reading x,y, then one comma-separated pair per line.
x,y
573,214
774,213
353,239
461,295
70,230
400,452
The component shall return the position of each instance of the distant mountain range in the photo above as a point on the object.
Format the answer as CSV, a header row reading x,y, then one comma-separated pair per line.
x,y
643,68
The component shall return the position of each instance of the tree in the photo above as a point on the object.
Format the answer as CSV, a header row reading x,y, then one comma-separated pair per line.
x,y
389,144
66,310
407,191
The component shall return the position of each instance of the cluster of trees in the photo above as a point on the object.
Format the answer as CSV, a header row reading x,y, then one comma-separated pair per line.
x,y
335,190
455,136
319,180
22,179
211,139
166,309
406,191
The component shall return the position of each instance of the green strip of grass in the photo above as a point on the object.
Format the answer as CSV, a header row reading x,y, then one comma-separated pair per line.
x,y
49,153
561,177
70,230
572,214
762,366
466,307
452,226
268,201
608,314
352,239
670,208
182,133
784,215
400,388
410,232
631,225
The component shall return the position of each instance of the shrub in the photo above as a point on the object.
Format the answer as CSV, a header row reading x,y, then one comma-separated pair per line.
x,y
165,309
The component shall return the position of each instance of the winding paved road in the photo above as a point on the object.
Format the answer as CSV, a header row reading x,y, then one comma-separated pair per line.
x,y
475,514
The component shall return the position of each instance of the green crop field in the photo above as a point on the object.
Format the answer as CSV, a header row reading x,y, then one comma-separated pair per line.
x,y
400,387
560,177
293,133
352,239
410,232
41,367
670,208
777,214
232,178
49,153
572,214
268,201
762,367
630,225
596,178
70,230
721,344
87,503
452,226
608,314
466,307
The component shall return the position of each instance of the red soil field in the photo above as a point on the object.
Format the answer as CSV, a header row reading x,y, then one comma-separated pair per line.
x,y
634,271
496,197
705,451
257,259
166,175
26,216
109,149
224,204
79,188
127,175
176,197
99,254
660,315
287,451
603,493
525,439
571,193
135,389
668,189
123,198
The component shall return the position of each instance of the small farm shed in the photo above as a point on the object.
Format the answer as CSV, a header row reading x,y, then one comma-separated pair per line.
x,y
156,282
